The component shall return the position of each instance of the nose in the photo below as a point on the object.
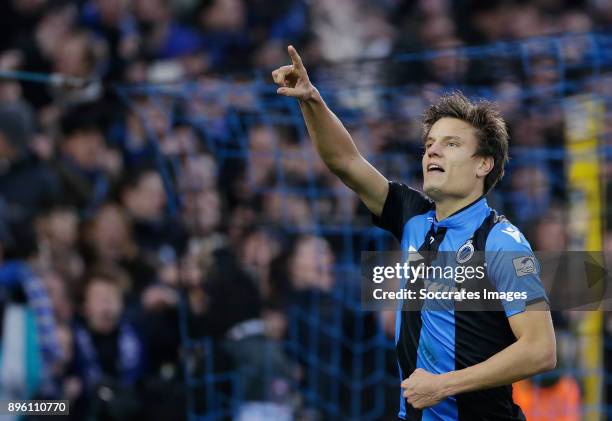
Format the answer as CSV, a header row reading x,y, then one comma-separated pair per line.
x,y
434,149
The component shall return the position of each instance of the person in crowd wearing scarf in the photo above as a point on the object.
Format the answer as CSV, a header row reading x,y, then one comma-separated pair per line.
x,y
109,355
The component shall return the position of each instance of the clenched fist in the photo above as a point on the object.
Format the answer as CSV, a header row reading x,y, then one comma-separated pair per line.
x,y
423,389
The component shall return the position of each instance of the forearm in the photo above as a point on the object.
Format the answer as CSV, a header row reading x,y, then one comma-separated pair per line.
x,y
520,360
329,136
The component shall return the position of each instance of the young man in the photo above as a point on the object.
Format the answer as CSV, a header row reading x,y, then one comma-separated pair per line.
x,y
454,365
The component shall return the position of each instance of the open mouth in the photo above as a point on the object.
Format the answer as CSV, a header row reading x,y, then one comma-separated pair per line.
x,y
434,168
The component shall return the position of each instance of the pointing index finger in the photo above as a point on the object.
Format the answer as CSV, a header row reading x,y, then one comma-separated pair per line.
x,y
295,57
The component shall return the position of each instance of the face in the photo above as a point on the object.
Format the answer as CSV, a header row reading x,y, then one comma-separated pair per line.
x,y
203,210
71,58
224,15
111,11
200,172
103,306
63,228
450,169
154,11
551,235
148,199
85,148
312,264
259,249
110,233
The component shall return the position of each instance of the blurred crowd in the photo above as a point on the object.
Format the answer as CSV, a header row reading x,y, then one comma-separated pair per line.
x,y
127,226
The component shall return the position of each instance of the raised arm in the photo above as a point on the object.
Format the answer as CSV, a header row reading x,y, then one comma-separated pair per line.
x,y
329,136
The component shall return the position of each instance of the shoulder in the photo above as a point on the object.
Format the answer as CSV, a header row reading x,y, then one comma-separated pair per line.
x,y
408,197
506,236
401,205
513,267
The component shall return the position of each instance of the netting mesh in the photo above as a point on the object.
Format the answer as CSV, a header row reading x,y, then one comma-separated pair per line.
x,y
337,361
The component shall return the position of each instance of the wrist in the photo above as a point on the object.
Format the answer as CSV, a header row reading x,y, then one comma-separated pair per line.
x,y
313,96
448,384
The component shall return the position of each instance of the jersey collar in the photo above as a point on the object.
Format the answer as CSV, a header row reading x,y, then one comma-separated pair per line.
x,y
463,216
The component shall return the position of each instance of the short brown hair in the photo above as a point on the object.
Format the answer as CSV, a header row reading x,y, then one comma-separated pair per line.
x,y
112,275
491,131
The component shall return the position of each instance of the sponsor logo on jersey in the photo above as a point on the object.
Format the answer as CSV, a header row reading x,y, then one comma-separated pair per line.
x,y
525,265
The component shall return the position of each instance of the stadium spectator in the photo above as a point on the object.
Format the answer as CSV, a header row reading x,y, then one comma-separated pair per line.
x,y
108,241
531,193
162,36
62,298
85,165
135,134
144,198
311,265
80,55
27,184
32,359
182,142
259,248
226,305
308,268
37,48
114,22
262,140
58,235
203,213
109,353
225,33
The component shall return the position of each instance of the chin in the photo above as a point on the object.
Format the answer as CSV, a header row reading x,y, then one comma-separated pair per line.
x,y
434,193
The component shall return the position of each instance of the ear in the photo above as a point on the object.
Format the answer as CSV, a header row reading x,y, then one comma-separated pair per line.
x,y
485,166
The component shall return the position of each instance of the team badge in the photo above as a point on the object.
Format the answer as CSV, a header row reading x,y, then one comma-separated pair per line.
x,y
465,252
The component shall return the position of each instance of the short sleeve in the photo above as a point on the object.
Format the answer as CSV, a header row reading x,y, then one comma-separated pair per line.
x,y
401,204
513,268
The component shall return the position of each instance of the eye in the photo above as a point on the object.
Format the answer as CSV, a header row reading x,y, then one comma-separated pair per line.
x,y
453,144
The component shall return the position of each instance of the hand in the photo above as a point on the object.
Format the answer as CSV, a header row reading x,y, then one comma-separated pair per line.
x,y
422,389
293,79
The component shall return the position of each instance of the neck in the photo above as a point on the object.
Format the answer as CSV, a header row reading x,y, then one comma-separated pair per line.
x,y
447,207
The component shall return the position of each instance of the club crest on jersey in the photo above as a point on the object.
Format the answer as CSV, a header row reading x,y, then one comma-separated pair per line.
x,y
465,252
